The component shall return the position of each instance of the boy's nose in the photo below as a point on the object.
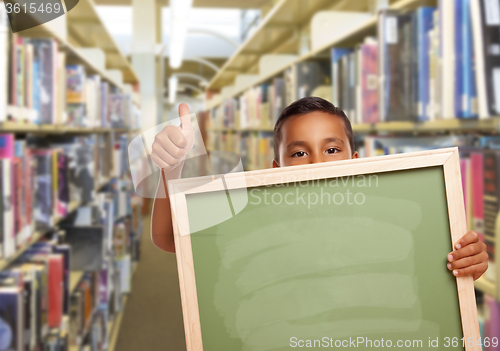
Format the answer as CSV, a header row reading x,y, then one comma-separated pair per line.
x,y
316,158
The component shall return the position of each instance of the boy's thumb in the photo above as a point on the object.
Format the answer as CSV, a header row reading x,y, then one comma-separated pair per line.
x,y
185,116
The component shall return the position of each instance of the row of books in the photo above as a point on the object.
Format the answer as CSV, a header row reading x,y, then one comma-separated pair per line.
x,y
480,171
43,89
255,148
40,180
425,64
37,309
91,103
260,106
422,66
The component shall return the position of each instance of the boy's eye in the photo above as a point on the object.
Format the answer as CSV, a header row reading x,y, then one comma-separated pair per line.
x,y
299,154
332,150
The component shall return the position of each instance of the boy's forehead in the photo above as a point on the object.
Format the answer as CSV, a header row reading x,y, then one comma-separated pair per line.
x,y
313,126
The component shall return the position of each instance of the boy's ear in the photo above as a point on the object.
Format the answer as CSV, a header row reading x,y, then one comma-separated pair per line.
x,y
275,164
355,154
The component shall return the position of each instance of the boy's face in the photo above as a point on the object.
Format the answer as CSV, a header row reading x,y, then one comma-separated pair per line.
x,y
312,138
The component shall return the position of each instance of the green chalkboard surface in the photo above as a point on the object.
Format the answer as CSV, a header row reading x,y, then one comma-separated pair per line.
x,y
330,263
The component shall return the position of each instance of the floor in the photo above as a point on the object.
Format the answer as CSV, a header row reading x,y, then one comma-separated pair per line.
x,y
153,316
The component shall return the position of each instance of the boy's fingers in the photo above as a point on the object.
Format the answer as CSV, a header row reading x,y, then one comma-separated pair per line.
x,y
476,270
468,261
469,238
469,250
159,162
168,145
175,135
163,155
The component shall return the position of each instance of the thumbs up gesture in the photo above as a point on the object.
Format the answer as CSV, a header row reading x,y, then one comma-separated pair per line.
x,y
172,144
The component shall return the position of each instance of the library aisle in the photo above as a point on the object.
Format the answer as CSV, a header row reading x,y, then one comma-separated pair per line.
x,y
153,314
86,87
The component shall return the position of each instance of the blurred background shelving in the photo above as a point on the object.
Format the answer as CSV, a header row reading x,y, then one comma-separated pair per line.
x,y
121,67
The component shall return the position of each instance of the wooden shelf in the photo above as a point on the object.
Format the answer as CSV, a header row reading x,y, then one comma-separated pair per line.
x,y
21,128
78,21
446,125
4,263
74,278
279,25
86,30
238,62
486,286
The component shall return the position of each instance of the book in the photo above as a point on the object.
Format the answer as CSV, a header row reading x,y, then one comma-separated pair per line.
x,y
29,286
45,50
369,83
76,325
65,252
491,162
11,318
75,84
395,73
44,201
278,99
123,266
62,184
486,39
424,25
55,277
336,55
4,61
469,97
477,179
6,158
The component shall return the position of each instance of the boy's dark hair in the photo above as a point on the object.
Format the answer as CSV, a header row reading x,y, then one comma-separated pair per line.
x,y
307,105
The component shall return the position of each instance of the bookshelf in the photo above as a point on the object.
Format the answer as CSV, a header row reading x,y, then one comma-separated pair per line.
x,y
37,235
23,128
77,39
285,9
280,24
74,279
86,30
491,125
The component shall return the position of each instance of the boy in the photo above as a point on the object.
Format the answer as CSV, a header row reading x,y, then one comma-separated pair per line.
x,y
310,130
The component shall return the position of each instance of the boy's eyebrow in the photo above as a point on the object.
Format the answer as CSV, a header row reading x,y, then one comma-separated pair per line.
x,y
303,143
296,143
334,140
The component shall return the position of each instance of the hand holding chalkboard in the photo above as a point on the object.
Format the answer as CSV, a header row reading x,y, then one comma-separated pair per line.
x,y
470,256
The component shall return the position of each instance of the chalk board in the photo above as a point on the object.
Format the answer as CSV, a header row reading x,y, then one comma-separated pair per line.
x,y
321,255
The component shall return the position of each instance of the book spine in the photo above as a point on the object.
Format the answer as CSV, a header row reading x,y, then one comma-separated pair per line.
x,y
469,85
458,98
478,186
4,52
491,199
447,53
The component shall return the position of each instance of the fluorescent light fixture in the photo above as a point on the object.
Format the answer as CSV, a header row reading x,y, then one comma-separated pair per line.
x,y
179,16
173,83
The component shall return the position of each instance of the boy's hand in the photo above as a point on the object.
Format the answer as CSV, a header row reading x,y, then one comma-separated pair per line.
x,y
172,144
470,256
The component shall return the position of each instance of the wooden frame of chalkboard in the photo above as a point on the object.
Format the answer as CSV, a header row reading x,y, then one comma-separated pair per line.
x,y
178,189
